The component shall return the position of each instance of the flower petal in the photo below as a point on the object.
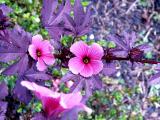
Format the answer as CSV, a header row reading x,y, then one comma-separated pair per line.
x,y
41,66
87,71
97,66
40,91
50,100
47,47
75,65
70,100
79,48
95,51
37,39
87,109
32,51
50,105
48,59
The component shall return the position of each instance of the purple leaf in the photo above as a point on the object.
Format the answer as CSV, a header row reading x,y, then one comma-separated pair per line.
x,y
79,14
129,39
55,32
87,21
37,75
3,109
70,114
157,67
119,52
4,19
88,90
5,9
62,10
91,84
50,16
144,47
3,90
55,43
14,45
96,82
17,68
155,79
20,38
48,9
119,42
77,85
39,116
21,92
69,76
81,23
33,75
109,69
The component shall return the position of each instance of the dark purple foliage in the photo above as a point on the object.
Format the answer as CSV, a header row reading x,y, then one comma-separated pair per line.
x,y
88,84
109,68
3,105
3,90
52,16
31,75
3,109
5,9
4,20
14,46
39,116
155,79
128,47
71,114
81,23
21,93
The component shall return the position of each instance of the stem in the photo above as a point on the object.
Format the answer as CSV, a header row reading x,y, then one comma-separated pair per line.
x,y
108,57
147,61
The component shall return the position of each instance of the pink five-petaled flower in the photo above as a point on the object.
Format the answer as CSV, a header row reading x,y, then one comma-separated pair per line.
x,y
42,52
55,103
88,59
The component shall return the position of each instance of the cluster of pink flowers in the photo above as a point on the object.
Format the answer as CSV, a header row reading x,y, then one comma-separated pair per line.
x,y
87,60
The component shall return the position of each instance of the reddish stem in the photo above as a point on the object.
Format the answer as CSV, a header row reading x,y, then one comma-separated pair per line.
x,y
109,57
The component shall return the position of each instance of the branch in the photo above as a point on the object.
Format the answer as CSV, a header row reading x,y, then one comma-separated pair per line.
x,y
65,55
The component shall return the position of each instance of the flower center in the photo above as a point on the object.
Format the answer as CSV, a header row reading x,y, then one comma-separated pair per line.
x,y
86,60
38,53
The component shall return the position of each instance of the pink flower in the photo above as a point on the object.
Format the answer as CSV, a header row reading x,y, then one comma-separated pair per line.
x,y
55,103
42,52
69,84
56,84
88,59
